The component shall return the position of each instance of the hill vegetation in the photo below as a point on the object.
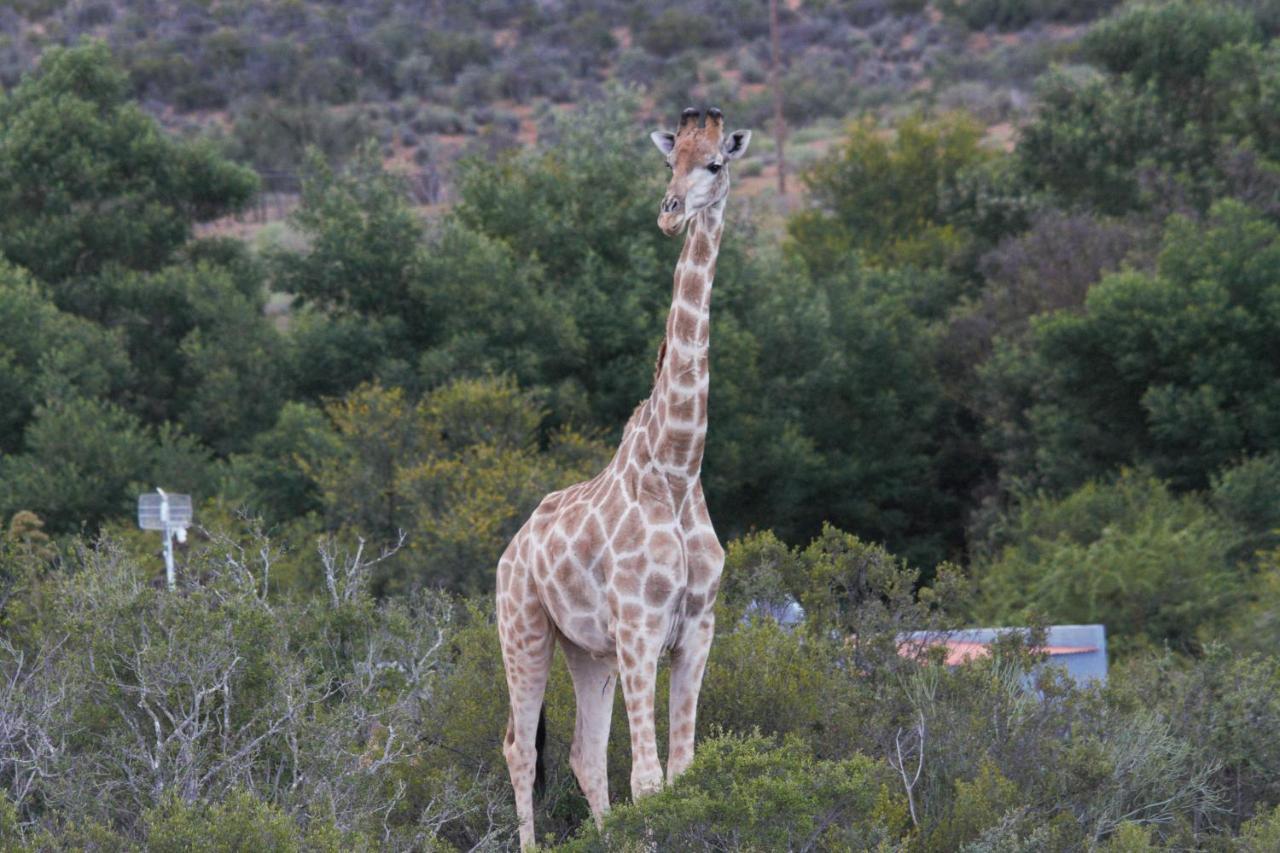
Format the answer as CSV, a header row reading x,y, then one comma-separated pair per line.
x,y
1019,336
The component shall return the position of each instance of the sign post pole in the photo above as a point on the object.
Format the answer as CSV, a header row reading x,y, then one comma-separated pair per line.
x,y
171,515
170,575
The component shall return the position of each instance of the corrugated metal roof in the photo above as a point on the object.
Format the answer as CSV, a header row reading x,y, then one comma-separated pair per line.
x,y
959,651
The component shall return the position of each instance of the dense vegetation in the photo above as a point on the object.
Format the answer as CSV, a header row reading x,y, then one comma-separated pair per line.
x,y
1045,381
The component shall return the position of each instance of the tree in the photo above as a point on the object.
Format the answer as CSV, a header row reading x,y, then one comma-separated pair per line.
x,y
84,461
882,194
45,352
88,180
1175,369
825,406
458,472
1184,86
578,213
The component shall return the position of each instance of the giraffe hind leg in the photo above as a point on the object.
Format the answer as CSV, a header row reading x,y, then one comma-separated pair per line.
x,y
527,647
687,665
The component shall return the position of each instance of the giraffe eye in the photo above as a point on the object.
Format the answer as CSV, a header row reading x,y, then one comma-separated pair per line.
x,y
713,167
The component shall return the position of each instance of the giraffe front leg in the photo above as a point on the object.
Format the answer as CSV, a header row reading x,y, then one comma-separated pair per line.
x,y
687,664
638,671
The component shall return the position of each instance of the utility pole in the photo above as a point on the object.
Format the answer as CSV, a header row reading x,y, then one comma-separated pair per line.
x,y
779,123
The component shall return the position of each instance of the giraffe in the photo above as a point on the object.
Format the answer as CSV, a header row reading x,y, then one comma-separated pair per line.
x,y
626,565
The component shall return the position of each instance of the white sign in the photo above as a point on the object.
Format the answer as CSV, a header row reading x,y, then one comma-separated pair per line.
x,y
151,511
170,514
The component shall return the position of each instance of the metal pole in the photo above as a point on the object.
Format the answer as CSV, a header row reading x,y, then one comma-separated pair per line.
x,y
169,574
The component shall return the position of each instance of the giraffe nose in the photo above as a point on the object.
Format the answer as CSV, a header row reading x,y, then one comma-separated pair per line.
x,y
670,204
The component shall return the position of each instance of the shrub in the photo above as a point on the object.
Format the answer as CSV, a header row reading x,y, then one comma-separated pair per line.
x,y
124,194
1148,564
1225,703
240,822
1261,834
1168,44
883,195
1248,494
216,711
459,472
750,793
676,30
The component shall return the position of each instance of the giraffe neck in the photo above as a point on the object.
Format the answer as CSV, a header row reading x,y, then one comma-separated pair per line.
x,y
679,396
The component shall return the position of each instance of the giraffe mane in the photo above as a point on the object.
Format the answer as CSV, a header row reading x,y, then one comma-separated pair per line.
x,y
662,356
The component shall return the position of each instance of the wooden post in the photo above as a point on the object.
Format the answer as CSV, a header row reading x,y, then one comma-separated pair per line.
x,y
779,123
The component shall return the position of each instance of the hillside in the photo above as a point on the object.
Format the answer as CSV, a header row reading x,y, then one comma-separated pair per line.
x,y
435,81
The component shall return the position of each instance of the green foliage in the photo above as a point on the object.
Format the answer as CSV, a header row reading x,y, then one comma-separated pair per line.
x,y
272,478
219,717
275,136
201,351
88,180
1167,44
1187,84
1093,140
1174,369
1219,702
750,793
676,30
364,241
1257,624
459,473
826,406
240,822
578,215
47,353
1260,834
1246,80
979,803
1016,14
84,461
1148,564
882,195
1248,495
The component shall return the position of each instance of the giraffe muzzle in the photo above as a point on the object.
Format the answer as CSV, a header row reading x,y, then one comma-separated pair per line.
x,y
672,217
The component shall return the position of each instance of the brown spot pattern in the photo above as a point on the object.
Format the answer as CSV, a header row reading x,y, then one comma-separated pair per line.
x,y
657,589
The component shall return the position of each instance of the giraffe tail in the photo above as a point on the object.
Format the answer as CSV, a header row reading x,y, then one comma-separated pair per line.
x,y
539,761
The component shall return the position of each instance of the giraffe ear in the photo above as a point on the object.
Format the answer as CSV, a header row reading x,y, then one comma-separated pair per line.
x,y
735,144
665,140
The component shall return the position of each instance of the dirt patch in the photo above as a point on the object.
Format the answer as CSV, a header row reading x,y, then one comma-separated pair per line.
x,y
1003,136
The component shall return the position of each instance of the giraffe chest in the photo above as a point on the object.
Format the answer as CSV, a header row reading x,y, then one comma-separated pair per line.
x,y
627,558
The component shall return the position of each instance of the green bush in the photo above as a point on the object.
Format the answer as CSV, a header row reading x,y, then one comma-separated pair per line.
x,y
458,473
1261,834
1016,14
1248,494
239,822
883,196
1225,703
1168,44
753,794
1149,565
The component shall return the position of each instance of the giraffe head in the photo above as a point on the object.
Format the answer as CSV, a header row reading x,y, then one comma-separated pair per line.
x,y
697,155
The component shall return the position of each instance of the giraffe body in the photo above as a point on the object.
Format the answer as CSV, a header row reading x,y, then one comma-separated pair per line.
x,y
626,566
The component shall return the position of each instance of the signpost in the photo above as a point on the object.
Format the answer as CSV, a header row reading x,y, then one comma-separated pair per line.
x,y
171,514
